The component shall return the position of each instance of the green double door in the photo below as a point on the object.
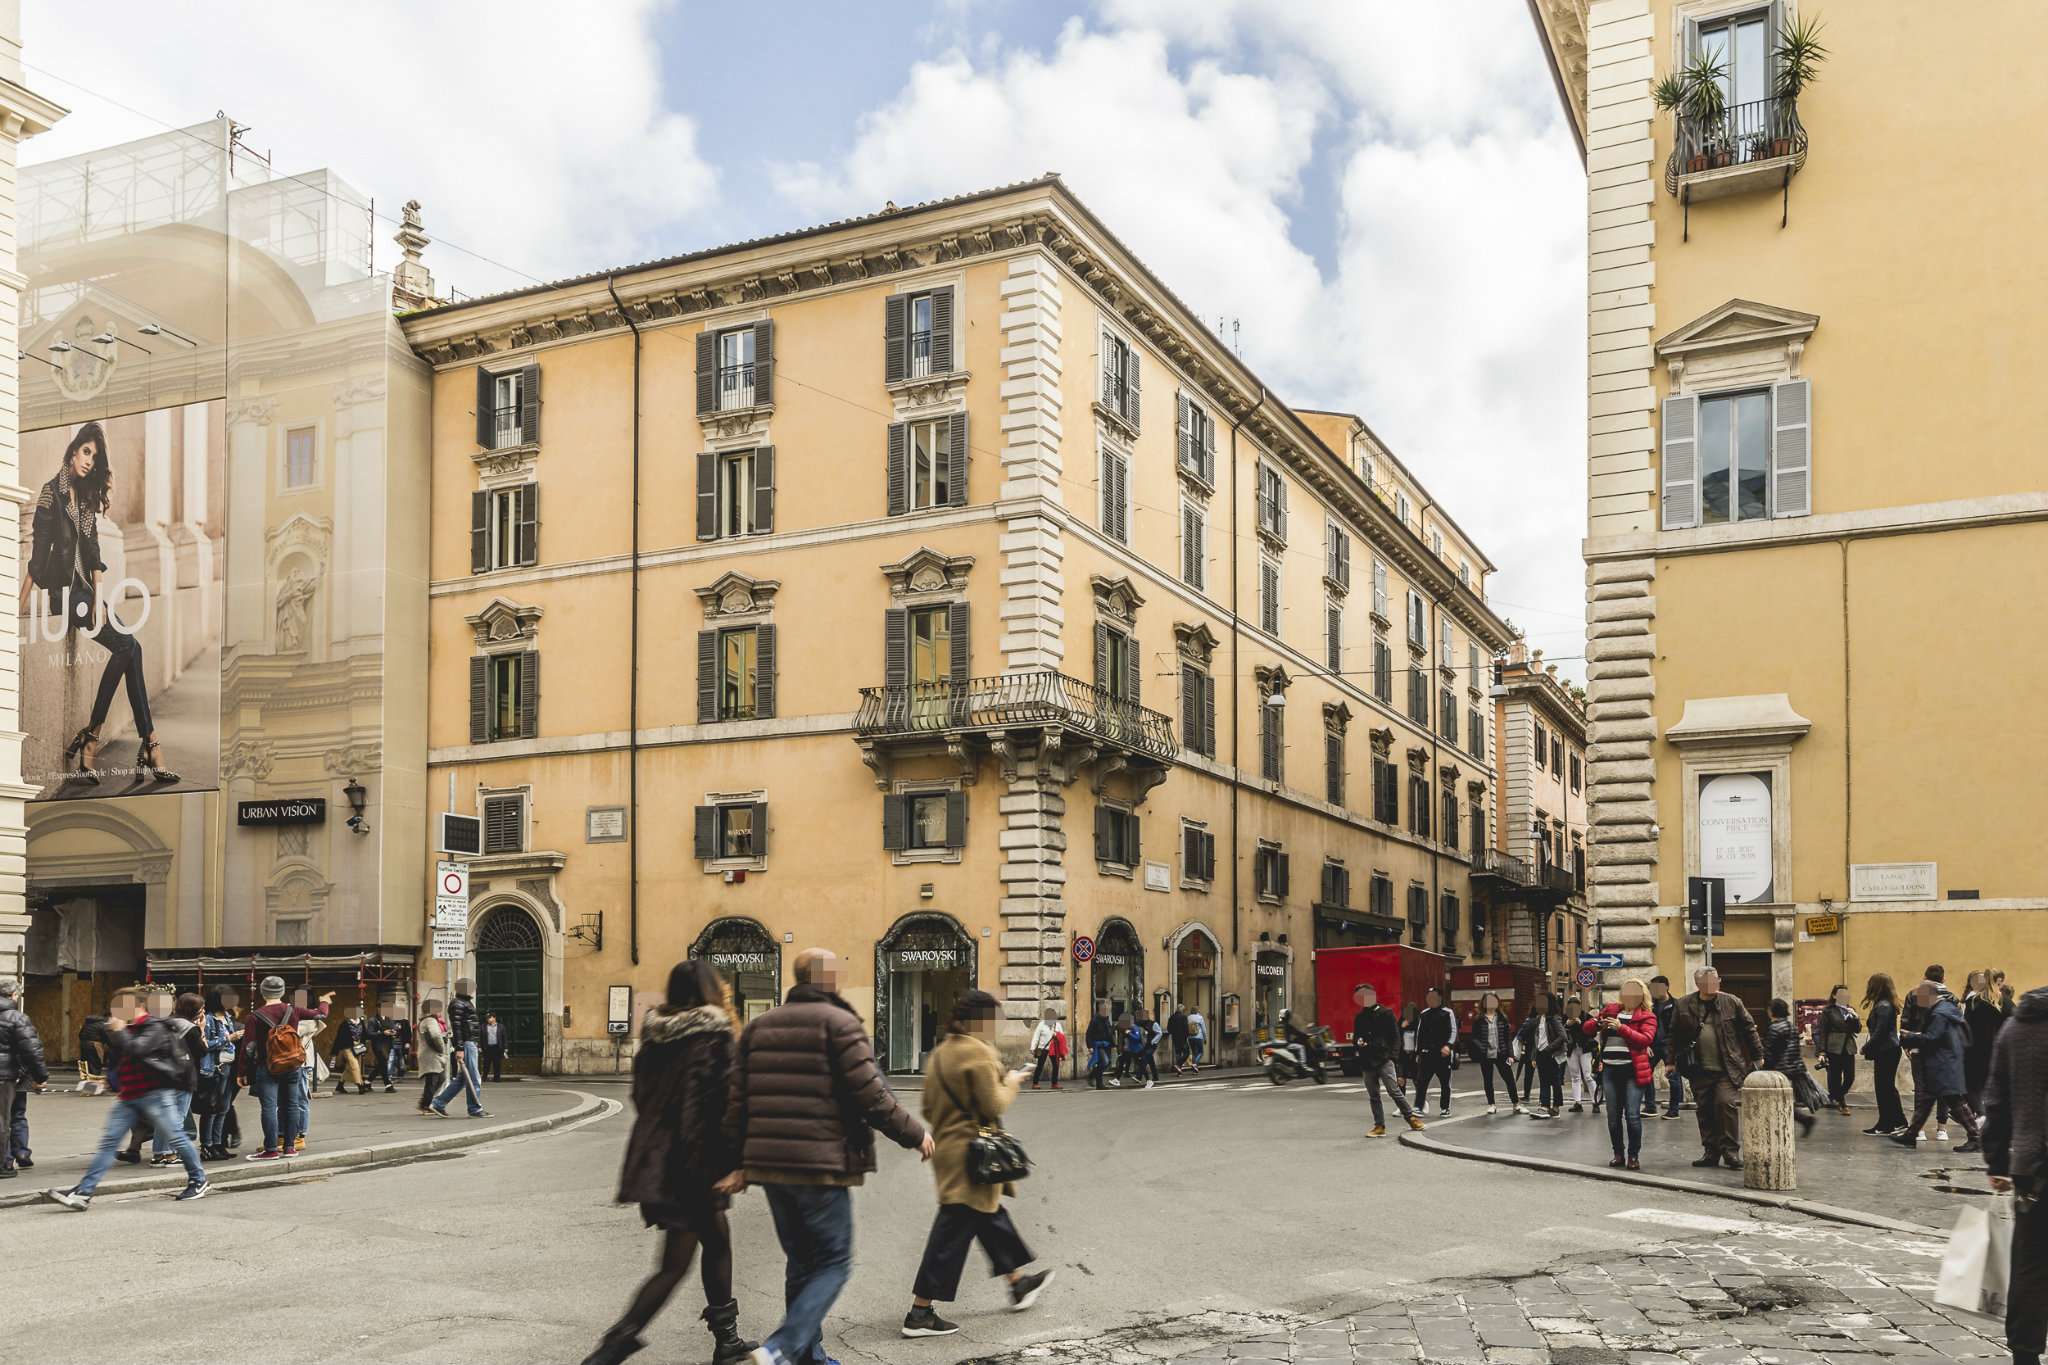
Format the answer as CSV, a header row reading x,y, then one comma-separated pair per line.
x,y
508,985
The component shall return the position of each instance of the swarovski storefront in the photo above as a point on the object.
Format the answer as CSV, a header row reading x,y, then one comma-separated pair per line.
x,y
922,967
749,959
1117,972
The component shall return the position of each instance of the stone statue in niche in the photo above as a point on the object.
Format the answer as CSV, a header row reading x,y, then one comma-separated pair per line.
x,y
294,610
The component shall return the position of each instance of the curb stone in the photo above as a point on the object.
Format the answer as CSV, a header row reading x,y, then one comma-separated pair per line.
x,y
411,1149
1789,1203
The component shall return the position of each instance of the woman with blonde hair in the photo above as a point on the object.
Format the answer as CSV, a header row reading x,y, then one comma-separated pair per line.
x,y
1623,1034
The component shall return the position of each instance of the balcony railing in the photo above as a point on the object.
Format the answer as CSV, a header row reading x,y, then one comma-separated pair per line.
x,y
920,354
1011,701
735,387
1492,862
1761,135
1558,879
507,430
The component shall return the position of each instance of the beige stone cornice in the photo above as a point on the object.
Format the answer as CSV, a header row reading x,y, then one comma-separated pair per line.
x,y
24,113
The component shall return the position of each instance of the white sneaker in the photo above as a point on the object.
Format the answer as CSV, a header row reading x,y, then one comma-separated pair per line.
x,y
1520,1110
1150,1084
1491,1110
1941,1135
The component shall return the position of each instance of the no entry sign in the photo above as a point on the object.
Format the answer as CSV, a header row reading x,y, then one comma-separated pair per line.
x,y
1084,948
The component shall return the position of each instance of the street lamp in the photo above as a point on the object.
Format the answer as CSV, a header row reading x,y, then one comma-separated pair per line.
x,y
357,795
107,338
152,329
66,348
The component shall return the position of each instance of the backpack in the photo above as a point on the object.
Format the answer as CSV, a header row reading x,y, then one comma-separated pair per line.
x,y
158,1051
283,1050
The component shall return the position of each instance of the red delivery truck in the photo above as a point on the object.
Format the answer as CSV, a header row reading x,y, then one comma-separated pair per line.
x,y
1397,972
1516,987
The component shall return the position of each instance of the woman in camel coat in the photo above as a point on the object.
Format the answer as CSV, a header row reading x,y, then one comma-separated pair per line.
x,y
965,1088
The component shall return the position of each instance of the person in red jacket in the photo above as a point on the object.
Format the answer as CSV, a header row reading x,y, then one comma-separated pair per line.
x,y
1622,1035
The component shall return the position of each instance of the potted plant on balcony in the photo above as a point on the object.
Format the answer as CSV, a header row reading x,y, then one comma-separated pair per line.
x,y
1798,58
1697,94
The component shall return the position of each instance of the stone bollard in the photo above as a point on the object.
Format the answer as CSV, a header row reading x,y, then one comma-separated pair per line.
x,y
1768,1156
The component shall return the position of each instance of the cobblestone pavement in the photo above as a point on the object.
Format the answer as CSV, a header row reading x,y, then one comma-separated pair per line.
x,y
1735,1292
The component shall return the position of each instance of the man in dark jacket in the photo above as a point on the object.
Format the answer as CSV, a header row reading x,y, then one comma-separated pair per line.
x,y
1376,1034
1436,1035
1177,1030
2016,1155
151,1064
465,1035
1101,1047
1714,1041
1664,1005
279,1096
1938,1046
21,1070
805,1094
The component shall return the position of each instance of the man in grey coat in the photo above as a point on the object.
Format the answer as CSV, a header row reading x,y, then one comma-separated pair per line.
x,y
21,1070
1939,1047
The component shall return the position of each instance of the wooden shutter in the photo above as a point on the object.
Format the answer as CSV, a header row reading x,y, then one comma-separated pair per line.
x,y
1379,588
899,468
1681,462
529,404
1209,856
1190,852
529,523
1208,433
764,489
1269,598
1103,814
1132,672
486,395
479,531
956,627
1190,707
760,829
1110,347
1792,448
1187,546
480,700
706,826
1344,560
1334,628
1281,860
707,676
1131,385
707,495
504,824
1328,895
529,694
896,647
707,372
956,819
956,456
1116,487
1280,508
942,331
1333,767
895,822
1269,743
764,368
1209,715
895,330
1183,439
1102,657
764,672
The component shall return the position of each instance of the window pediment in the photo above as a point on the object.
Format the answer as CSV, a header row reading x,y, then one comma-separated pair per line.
x,y
1336,716
1767,718
1196,643
1116,598
1382,742
927,571
503,622
738,594
1740,330
1271,680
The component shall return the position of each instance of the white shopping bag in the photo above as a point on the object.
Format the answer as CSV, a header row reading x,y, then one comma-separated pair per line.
x,y
1978,1260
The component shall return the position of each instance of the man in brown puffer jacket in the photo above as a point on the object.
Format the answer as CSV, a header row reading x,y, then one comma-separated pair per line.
x,y
806,1094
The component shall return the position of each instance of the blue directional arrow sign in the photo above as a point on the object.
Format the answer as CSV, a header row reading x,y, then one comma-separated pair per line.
x,y
1599,959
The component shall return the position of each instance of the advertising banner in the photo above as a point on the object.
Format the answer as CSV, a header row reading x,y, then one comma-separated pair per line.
x,y
120,608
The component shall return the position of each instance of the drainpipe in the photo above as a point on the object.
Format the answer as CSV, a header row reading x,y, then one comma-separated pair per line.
x,y
633,664
1430,647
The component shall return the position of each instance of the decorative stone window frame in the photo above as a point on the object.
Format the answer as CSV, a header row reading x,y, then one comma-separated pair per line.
x,y
1188,883
317,424
1752,734
738,599
1382,738
1271,678
502,625
923,397
1741,344
1275,850
1194,642
524,791
736,428
938,786
1192,482
1110,423
1127,871
1113,445
1336,717
1198,507
1333,530
1116,600
1381,597
757,863
926,577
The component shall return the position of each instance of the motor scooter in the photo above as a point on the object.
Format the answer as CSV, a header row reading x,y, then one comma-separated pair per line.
x,y
1285,1061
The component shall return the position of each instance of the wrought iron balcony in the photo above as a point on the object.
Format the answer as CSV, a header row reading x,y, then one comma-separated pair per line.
x,y
1012,701
1504,867
1558,880
1757,145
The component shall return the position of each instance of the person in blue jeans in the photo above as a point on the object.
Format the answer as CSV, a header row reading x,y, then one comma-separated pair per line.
x,y
1664,1004
806,1100
280,1095
150,1064
219,1034
465,1032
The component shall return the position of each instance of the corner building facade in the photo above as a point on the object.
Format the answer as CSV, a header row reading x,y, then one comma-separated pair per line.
x,y
922,587
1807,494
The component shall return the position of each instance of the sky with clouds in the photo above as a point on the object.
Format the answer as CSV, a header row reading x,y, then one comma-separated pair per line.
x,y
1382,195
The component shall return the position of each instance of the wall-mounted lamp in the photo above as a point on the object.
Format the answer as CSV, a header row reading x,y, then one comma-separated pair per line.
x,y
155,329
590,930
24,355
107,338
357,795
66,348
1276,699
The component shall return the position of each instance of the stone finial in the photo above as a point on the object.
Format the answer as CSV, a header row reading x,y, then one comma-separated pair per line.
x,y
412,284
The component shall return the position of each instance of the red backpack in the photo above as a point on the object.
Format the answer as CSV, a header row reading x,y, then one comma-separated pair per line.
x,y
283,1049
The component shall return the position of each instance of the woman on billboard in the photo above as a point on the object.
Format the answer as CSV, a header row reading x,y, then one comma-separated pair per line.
x,y
65,561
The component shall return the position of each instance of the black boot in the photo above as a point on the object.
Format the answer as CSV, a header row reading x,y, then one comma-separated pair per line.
x,y
613,1349
724,1321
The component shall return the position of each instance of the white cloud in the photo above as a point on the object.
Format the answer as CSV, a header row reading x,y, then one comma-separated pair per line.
x,y
1451,316
539,143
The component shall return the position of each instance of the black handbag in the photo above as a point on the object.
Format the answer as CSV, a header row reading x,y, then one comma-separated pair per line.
x,y
994,1157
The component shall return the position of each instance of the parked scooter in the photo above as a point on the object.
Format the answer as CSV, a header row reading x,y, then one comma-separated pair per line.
x,y
1291,1061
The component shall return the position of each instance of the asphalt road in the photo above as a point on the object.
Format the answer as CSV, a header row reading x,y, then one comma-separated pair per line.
x,y
1238,1204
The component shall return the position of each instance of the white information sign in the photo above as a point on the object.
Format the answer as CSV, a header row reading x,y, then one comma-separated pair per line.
x,y
1892,882
450,944
1735,834
451,896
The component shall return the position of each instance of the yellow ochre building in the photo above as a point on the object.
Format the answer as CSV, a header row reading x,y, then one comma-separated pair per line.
x,y
1817,511
935,588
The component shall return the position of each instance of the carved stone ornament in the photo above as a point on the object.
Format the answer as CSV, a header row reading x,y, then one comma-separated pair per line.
x,y
927,571
738,424
1382,741
1196,643
928,391
1116,598
248,758
1450,774
1336,716
1271,679
352,759
1418,759
738,594
503,622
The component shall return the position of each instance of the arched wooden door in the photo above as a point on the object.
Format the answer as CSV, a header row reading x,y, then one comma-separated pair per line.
x,y
508,950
